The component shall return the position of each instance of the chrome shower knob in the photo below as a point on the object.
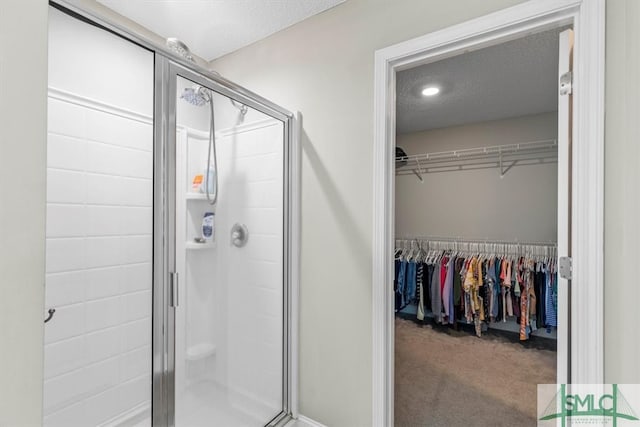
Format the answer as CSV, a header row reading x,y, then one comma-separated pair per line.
x,y
239,235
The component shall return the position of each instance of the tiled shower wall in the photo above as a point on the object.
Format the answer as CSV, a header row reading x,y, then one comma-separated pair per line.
x,y
251,306
99,227
99,250
232,298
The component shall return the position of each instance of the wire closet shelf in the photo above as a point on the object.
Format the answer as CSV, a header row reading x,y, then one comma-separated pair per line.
x,y
479,246
503,157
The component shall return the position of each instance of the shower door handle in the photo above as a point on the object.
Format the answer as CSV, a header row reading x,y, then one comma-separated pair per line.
x,y
174,289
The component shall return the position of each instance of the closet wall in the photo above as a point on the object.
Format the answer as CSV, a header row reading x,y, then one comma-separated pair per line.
x,y
480,204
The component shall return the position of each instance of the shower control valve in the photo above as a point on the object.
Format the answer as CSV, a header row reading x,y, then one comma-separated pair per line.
x,y
239,235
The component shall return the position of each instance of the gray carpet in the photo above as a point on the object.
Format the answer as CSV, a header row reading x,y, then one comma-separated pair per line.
x,y
456,379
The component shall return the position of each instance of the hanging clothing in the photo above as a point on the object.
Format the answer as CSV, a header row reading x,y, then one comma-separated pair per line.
x,y
533,299
524,299
419,274
436,294
552,300
472,283
420,291
428,277
400,283
541,295
497,308
447,290
443,273
479,289
506,282
457,281
515,298
410,288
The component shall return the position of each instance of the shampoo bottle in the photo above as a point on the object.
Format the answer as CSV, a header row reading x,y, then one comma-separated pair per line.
x,y
208,226
209,181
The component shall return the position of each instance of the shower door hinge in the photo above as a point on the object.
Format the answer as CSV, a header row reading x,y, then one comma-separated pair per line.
x,y
565,267
566,83
173,283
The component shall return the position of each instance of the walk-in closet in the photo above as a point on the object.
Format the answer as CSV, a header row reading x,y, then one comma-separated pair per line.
x,y
476,233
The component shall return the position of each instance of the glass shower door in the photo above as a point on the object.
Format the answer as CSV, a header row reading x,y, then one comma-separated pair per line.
x,y
229,261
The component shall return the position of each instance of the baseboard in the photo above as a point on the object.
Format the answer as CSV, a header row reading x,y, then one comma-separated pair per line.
x,y
131,417
308,422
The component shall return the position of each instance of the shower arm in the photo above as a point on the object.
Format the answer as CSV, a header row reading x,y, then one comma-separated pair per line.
x,y
243,108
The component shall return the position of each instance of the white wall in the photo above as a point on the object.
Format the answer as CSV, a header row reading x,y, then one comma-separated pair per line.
x,y
99,226
23,118
478,204
622,195
323,67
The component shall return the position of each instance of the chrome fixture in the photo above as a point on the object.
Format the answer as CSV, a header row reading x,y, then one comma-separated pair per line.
x,y
239,235
180,48
50,316
243,108
200,96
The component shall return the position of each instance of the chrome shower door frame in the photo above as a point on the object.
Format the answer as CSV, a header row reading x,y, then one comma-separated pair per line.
x,y
168,64
167,70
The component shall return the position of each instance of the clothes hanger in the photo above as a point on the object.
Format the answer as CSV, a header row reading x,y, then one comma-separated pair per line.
x,y
412,256
423,251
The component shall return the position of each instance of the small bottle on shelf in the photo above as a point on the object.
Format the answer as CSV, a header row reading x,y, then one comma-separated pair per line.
x,y
208,226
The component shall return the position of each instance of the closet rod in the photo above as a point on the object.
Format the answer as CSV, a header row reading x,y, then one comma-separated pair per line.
x,y
486,246
532,154
466,165
487,241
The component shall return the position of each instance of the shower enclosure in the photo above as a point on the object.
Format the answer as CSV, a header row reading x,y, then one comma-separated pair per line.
x,y
214,347
226,360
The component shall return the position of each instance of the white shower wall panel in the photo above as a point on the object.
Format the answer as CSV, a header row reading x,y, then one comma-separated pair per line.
x,y
99,253
251,193
99,226
87,60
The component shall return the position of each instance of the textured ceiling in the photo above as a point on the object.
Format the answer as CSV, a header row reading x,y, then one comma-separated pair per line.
x,y
512,79
212,28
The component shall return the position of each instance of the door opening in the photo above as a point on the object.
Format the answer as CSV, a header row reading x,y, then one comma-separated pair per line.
x,y
584,220
477,226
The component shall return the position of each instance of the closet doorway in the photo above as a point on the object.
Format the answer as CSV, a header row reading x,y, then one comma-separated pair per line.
x,y
580,348
580,181
477,214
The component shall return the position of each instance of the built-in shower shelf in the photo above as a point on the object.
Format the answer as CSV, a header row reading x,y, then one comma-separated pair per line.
x,y
196,196
200,351
193,246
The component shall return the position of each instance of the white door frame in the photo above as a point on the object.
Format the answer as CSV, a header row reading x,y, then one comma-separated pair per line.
x,y
587,197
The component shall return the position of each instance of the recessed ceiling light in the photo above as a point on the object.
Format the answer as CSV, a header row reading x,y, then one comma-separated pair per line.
x,y
431,91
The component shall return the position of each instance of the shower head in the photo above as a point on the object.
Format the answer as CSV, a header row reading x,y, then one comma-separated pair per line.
x,y
180,48
197,96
